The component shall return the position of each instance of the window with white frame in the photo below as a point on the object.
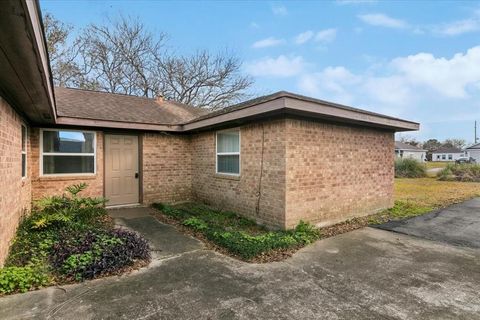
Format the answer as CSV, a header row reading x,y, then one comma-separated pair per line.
x,y
228,152
24,151
444,157
450,157
66,152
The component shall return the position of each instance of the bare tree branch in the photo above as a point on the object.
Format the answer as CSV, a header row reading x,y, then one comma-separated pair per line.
x,y
122,56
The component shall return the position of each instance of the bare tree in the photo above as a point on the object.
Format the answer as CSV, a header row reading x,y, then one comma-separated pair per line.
x,y
454,143
123,56
410,140
202,80
63,56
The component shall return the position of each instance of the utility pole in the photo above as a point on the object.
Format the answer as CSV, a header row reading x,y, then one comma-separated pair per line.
x,y
476,139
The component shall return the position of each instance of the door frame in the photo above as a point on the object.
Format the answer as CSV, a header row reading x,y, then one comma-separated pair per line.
x,y
140,159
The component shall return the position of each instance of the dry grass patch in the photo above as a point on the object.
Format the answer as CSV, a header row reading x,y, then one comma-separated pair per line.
x,y
428,192
413,197
436,164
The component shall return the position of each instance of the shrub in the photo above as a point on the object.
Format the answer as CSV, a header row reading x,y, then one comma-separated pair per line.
x,y
87,255
68,238
68,209
21,279
460,172
409,168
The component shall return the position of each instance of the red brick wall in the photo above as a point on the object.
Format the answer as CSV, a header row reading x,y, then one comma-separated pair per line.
x,y
336,172
241,194
51,185
15,192
167,168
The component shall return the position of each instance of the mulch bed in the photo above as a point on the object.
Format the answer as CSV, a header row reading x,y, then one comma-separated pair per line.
x,y
273,255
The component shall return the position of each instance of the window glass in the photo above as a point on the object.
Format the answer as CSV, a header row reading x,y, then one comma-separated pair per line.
x,y
228,142
450,157
24,151
24,165
68,152
229,164
67,164
24,138
68,142
228,152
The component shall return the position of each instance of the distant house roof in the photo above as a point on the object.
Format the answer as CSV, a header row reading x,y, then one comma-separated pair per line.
x,y
448,150
101,109
475,146
405,146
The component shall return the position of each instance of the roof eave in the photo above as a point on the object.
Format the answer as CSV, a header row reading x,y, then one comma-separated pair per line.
x,y
305,108
25,77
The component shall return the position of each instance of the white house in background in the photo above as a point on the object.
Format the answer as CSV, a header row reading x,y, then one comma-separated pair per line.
x,y
474,152
447,154
404,150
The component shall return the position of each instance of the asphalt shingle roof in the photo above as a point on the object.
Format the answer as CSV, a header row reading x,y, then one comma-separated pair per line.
x,y
87,104
448,150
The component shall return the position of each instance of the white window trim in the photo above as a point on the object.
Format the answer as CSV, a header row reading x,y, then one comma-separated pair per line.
x,y
68,154
24,152
239,153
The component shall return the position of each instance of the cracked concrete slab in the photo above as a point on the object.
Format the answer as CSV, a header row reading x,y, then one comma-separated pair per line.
x,y
364,274
457,225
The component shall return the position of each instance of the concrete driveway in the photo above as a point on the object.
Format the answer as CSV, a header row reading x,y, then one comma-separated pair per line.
x,y
365,274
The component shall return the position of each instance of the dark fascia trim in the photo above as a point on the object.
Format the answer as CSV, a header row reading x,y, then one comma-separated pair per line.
x,y
40,44
280,105
308,108
69,121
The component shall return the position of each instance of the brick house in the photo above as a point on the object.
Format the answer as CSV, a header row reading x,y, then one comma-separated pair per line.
x,y
277,159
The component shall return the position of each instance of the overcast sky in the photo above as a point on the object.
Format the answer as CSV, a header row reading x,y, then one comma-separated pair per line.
x,y
415,60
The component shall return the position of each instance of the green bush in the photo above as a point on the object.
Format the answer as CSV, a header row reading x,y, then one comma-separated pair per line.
x,y
409,168
68,209
21,279
68,237
239,235
467,172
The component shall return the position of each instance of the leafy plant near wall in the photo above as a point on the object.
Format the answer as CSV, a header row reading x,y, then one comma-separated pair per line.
x,y
68,238
239,236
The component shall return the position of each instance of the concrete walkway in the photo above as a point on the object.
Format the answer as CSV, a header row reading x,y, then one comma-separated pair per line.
x,y
365,274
